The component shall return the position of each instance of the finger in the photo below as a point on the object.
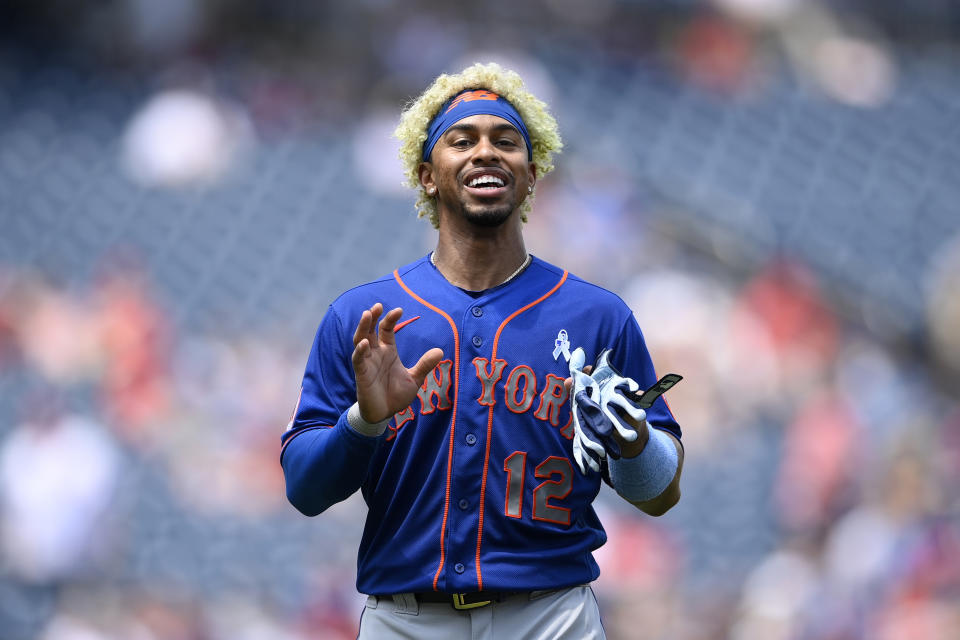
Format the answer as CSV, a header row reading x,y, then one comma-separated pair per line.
x,y
587,369
426,364
363,327
590,460
581,457
576,456
359,354
596,447
633,411
626,432
581,430
577,358
613,406
388,323
624,428
375,312
593,464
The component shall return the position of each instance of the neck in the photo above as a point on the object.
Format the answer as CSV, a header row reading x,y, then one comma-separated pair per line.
x,y
480,259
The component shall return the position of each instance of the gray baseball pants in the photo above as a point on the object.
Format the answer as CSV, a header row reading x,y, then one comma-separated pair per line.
x,y
564,614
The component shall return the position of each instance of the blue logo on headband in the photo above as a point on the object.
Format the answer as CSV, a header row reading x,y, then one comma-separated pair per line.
x,y
468,103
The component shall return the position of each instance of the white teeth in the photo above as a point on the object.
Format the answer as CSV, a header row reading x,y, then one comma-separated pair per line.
x,y
486,179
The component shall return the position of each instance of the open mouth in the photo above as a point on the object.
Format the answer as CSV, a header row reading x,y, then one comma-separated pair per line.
x,y
486,181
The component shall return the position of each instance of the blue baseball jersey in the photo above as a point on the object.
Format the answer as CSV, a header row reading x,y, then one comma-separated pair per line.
x,y
473,486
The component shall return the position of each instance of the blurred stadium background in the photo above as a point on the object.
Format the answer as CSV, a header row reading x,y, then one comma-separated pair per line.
x,y
772,185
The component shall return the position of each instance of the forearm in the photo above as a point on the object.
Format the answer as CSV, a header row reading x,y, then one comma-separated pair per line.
x,y
634,474
326,465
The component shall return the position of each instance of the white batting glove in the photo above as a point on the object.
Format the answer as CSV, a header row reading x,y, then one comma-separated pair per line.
x,y
612,386
583,403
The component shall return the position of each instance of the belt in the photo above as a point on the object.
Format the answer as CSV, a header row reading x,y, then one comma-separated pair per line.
x,y
469,600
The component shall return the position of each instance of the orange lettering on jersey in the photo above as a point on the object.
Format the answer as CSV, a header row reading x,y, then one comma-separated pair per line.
x,y
470,96
552,398
525,373
437,383
488,380
400,418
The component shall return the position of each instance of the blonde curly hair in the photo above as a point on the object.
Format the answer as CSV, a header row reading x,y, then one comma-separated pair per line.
x,y
417,116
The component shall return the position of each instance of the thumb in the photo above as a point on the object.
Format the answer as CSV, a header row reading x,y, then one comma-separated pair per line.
x,y
426,364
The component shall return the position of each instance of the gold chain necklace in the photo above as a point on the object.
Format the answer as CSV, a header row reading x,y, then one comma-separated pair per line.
x,y
526,262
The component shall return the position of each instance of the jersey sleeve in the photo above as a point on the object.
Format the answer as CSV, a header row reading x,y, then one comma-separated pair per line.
x,y
631,357
329,387
325,460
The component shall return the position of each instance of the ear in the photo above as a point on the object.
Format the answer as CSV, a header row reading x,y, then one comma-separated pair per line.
x,y
532,173
425,173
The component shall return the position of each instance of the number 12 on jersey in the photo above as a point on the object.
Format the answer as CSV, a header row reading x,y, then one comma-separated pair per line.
x,y
558,481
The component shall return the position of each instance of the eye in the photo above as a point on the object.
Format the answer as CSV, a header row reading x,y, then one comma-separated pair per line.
x,y
460,143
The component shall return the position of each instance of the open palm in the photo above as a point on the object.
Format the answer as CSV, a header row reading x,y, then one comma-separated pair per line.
x,y
384,385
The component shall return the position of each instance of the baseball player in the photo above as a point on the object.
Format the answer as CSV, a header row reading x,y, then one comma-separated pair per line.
x,y
480,461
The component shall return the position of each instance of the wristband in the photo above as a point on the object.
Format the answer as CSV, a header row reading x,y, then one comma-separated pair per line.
x,y
645,476
361,426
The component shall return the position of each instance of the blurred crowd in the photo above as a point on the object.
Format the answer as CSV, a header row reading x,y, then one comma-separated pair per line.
x,y
142,398
103,389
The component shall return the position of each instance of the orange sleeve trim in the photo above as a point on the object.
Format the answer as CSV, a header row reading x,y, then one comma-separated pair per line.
x,y
401,325
672,414
453,417
486,460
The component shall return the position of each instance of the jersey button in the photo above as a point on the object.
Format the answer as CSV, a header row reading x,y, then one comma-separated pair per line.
x,y
459,568
477,341
463,503
471,439
477,312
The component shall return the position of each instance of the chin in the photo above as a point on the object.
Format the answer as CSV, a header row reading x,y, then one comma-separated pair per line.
x,y
487,217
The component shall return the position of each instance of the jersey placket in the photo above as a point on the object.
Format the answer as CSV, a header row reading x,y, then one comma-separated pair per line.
x,y
469,447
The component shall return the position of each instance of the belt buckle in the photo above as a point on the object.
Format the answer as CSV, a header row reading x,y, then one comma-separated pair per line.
x,y
460,604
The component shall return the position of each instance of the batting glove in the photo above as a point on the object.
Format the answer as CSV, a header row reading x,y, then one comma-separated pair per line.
x,y
614,390
591,429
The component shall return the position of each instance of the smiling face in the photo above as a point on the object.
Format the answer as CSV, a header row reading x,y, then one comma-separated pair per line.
x,y
480,170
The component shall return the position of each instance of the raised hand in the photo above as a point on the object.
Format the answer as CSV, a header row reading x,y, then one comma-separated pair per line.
x,y
384,385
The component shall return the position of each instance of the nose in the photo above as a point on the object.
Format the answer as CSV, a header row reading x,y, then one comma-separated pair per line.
x,y
485,150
